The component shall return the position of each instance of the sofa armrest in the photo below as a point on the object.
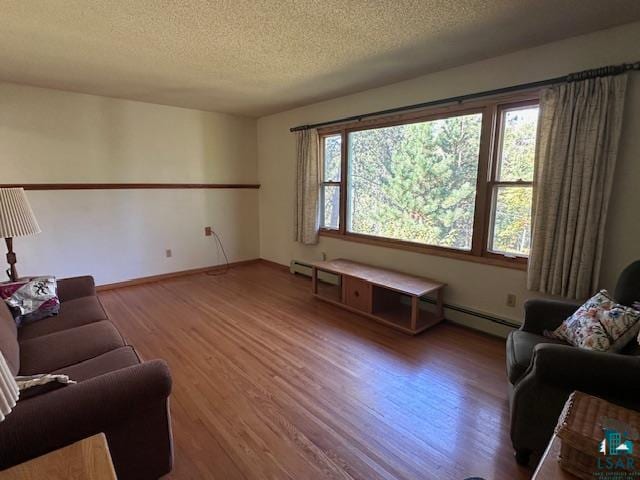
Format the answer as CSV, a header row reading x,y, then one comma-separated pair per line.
x,y
63,416
76,287
545,314
597,373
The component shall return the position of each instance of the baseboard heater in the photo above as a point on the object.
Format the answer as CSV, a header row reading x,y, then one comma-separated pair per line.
x,y
304,268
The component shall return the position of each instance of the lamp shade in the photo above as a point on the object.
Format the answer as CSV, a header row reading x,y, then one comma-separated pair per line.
x,y
16,217
8,389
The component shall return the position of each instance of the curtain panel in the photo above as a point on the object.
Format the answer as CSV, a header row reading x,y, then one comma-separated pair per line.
x,y
307,187
578,136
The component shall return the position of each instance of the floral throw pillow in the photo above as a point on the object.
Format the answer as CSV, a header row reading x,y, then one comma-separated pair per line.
x,y
600,324
32,299
584,331
622,323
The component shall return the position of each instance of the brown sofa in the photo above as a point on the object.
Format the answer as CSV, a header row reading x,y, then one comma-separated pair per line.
x,y
116,393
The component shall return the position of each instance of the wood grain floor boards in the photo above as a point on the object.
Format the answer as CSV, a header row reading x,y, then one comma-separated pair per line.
x,y
270,383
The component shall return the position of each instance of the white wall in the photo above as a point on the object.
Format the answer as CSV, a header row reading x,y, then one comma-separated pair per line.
x,y
50,136
476,286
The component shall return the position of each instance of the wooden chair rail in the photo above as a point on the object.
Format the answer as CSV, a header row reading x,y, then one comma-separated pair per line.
x,y
122,186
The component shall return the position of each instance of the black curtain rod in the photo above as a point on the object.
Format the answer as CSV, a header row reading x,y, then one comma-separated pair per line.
x,y
572,77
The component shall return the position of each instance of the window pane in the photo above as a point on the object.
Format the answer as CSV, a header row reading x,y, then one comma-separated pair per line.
x,y
332,149
330,206
512,221
416,182
518,144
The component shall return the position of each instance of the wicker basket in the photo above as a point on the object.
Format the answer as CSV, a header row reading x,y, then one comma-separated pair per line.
x,y
581,430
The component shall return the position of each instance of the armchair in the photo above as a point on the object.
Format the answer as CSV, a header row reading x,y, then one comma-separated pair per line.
x,y
543,371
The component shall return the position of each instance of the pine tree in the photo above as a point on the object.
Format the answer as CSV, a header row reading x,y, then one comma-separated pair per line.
x,y
417,181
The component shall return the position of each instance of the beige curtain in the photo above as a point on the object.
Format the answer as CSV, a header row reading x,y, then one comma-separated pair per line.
x,y
579,129
307,187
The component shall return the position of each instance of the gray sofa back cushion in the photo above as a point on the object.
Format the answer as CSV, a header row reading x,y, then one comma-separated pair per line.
x,y
628,287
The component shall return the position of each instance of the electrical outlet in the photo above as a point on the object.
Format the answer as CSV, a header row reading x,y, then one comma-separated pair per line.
x,y
168,253
511,300
208,231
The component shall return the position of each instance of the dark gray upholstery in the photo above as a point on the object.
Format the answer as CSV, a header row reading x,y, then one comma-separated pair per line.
x,y
520,346
628,287
543,372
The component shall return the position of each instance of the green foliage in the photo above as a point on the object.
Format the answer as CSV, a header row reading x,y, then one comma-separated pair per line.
x,y
417,182
332,151
512,229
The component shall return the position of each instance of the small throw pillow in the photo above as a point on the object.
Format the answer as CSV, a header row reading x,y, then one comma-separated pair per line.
x,y
583,330
600,324
622,323
615,318
32,299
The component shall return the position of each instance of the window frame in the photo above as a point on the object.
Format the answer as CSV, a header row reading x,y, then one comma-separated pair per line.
x,y
332,183
490,138
493,182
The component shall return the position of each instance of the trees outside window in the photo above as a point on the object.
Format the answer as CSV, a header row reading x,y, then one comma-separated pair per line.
x,y
513,181
458,181
416,182
330,187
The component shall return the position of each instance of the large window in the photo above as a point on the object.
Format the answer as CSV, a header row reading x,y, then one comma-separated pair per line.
x,y
415,182
456,181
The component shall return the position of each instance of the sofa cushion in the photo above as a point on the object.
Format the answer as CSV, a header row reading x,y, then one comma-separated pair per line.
x,y
76,287
520,347
107,362
60,349
9,339
94,367
73,313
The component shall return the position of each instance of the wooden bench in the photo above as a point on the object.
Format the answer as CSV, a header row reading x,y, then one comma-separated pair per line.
x,y
88,458
389,297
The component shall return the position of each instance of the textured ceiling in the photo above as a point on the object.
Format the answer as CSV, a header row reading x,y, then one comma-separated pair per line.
x,y
255,57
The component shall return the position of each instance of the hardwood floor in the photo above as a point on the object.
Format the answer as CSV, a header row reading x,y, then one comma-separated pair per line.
x,y
270,383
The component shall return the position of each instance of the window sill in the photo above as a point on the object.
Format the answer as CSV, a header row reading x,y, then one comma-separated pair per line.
x,y
494,260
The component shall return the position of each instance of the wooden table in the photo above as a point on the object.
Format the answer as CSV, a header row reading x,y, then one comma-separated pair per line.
x,y
387,296
549,467
87,459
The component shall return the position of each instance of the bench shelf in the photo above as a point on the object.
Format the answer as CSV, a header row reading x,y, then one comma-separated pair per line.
x,y
387,296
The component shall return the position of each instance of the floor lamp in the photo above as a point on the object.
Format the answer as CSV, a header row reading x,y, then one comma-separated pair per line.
x,y
16,220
